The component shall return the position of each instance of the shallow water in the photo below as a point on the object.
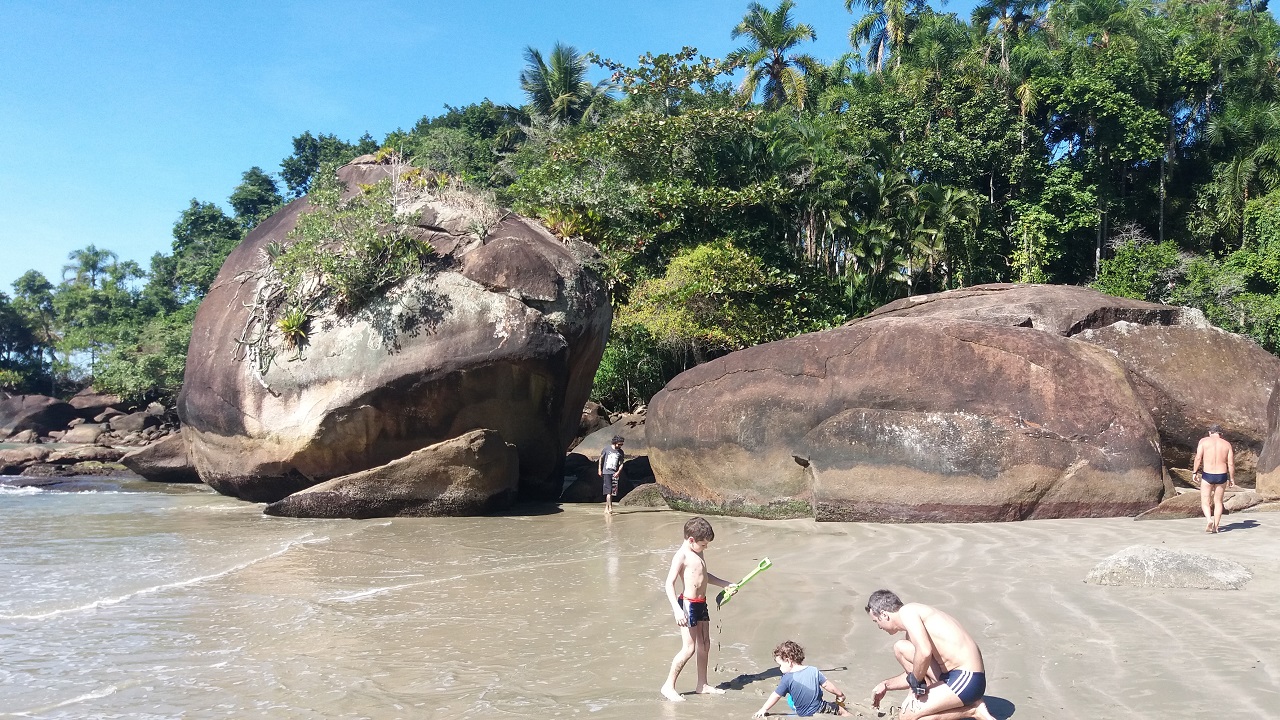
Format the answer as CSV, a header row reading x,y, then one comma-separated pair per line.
x,y
184,603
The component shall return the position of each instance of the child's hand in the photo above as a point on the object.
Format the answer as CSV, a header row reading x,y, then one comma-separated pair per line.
x,y
681,619
731,588
759,714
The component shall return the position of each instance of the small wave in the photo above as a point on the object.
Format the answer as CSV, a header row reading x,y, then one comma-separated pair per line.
x,y
95,695
20,490
106,602
368,593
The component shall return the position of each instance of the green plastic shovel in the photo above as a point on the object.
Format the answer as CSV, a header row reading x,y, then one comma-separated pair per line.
x,y
724,596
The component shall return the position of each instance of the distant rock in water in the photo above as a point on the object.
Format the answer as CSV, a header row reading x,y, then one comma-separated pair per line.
x,y
1143,566
996,402
504,332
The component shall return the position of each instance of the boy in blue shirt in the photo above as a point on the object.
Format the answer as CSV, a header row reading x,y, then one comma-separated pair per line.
x,y
803,683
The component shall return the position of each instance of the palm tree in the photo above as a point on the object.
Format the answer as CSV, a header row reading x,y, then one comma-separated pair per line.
x,y
771,35
1251,134
557,88
87,265
1008,19
884,29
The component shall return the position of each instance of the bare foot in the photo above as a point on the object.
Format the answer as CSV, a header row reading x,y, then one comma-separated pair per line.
x,y
709,690
671,694
982,713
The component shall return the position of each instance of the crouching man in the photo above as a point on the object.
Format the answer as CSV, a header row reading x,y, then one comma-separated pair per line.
x,y
941,663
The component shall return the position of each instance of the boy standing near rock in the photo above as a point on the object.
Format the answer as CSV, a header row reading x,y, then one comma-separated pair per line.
x,y
690,608
610,463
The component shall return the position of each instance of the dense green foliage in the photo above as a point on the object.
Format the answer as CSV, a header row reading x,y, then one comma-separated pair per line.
x,y
1129,144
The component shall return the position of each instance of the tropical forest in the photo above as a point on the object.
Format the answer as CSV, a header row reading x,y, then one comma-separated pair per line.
x,y
1132,146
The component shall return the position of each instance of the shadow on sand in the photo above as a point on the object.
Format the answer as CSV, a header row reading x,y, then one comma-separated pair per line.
x,y
746,679
1001,708
1241,525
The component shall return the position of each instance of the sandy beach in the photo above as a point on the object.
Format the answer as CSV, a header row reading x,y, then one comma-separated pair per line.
x,y
1055,646
194,605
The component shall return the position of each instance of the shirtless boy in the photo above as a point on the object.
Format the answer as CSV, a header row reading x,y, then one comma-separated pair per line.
x,y
941,663
1219,471
690,608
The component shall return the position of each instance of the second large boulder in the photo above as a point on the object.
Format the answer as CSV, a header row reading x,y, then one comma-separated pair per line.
x,y
908,419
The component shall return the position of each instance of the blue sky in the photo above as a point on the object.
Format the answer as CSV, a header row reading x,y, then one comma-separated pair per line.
x,y
116,114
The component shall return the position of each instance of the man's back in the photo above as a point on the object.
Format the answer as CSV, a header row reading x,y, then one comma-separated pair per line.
x,y
1214,453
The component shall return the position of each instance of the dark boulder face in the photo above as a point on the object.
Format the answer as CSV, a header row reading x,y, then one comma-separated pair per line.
x,y
466,345
911,419
38,413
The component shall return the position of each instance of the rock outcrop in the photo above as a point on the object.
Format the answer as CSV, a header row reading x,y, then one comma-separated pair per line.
x,y
1143,566
504,333
1192,377
1189,374
1070,403
90,403
163,461
1268,477
1059,309
468,475
38,413
908,419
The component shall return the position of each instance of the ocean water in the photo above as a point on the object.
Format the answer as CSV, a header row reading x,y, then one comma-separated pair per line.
x,y
119,603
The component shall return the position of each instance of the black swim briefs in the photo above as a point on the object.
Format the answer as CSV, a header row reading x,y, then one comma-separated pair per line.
x,y
1214,478
969,686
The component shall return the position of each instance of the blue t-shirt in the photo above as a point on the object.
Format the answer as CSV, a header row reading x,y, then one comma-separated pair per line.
x,y
805,688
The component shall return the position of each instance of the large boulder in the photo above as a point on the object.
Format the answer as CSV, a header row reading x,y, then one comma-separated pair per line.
x,y
165,460
1189,374
33,412
468,475
85,453
504,332
908,419
14,460
84,434
1192,377
90,403
133,422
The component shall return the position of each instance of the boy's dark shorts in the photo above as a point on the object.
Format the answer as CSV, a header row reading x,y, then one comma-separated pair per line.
x,y
610,484
695,611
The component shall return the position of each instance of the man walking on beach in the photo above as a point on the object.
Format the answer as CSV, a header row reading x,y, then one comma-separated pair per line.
x,y
941,663
1219,471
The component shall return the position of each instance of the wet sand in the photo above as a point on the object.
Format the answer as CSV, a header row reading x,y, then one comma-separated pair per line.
x,y
195,605
1055,647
